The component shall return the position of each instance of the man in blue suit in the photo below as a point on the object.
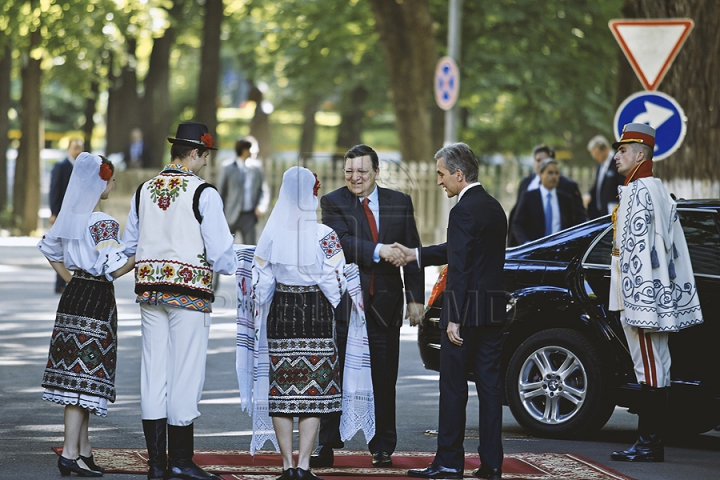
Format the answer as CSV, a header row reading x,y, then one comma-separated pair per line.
x,y
369,219
59,178
472,316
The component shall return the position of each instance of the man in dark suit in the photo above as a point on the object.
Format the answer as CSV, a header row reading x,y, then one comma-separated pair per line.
x,y
604,192
369,220
137,153
472,316
245,195
59,178
545,210
532,181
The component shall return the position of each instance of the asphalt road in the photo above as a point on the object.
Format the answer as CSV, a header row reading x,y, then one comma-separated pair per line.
x,y
30,426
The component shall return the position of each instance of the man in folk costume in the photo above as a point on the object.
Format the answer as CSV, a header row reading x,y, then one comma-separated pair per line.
x,y
177,230
651,283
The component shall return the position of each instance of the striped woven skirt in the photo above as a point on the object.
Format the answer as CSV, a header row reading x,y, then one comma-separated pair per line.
x,y
304,369
83,349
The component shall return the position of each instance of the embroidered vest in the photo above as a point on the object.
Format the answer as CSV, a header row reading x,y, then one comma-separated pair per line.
x,y
171,253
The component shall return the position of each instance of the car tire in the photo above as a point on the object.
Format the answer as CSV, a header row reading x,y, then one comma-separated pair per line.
x,y
555,385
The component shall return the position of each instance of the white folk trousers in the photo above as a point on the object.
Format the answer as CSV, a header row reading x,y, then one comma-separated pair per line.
x,y
172,372
650,354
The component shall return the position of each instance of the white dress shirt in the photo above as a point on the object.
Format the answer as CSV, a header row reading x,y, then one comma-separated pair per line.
x,y
554,205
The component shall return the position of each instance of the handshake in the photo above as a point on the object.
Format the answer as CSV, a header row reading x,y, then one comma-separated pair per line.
x,y
397,254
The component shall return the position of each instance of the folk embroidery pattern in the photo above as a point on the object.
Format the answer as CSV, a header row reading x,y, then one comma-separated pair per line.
x,y
104,230
330,244
165,189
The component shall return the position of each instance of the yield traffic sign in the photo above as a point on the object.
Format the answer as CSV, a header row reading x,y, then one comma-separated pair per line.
x,y
660,111
447,83
651,45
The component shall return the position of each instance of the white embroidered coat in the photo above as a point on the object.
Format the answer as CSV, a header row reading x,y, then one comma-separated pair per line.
x,y
652,278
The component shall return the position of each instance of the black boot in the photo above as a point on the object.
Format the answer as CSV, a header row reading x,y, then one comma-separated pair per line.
x,y
154,431
180,465
652,414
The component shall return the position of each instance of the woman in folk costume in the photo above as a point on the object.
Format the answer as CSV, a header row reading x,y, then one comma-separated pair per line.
x,y
651,284
298,272
83,247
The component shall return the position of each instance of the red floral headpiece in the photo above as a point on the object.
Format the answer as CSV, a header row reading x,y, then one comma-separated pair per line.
x,y
317,185
207,140
105,171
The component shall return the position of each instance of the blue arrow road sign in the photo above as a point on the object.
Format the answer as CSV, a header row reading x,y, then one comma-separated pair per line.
x,y
660,111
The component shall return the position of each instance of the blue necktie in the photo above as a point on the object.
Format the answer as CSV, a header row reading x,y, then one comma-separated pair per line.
x,y
548,215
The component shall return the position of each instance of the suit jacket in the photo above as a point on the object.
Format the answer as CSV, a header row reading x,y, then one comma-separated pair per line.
x,y
607,193
529,220
565,185
475,254
145,160
231,186
342,211
59,179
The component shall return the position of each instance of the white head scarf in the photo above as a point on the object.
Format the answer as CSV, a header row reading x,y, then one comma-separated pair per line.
x,y
290,235
82,194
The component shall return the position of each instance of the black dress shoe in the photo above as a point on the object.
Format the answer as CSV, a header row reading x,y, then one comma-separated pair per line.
x,y
436,471
487,473
323,456
90,462
381,459
67,466
288,474
301,474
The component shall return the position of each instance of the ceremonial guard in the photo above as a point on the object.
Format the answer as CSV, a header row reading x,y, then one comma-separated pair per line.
x,y
651,283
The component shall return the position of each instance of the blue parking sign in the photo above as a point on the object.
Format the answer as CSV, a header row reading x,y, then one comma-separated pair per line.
x,y
660,111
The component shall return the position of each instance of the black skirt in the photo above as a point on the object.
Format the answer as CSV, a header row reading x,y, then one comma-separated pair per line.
x,y
83,348
304,368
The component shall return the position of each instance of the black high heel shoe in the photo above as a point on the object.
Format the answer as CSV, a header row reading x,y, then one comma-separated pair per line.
x,y
90,462
67,466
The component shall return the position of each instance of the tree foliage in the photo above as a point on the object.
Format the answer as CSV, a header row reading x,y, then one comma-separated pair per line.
x,y
537,72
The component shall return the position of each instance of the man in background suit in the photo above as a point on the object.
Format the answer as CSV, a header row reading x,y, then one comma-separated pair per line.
x,y
59,178
369,219
472,316
244,192
532,182
137,153
604,192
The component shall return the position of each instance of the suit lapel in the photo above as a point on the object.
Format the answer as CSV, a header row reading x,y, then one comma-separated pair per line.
x,y
354,207
384,208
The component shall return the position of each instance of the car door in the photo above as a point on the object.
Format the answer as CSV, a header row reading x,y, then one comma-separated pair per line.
x,y
694,350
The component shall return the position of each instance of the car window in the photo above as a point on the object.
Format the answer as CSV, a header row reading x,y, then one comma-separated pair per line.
x,y
703,239
599,254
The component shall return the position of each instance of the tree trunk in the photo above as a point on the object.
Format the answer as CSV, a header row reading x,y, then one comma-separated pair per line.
x,y
206,109
307,138
5,69
26,191
692,81
90,109
124,111
406,36
156,102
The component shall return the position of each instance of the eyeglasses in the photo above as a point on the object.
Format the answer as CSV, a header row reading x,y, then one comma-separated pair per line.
x,y
350,173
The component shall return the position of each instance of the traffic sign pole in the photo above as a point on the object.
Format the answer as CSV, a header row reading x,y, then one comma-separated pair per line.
x,y
454,31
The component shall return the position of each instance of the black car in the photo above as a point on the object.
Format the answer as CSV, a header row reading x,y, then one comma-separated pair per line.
x,y
565,358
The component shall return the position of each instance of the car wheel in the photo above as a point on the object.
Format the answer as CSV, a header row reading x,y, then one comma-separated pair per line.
x,y
555,385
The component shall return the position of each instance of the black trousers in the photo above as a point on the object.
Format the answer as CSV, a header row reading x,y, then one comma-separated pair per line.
x,y
480,351
384,345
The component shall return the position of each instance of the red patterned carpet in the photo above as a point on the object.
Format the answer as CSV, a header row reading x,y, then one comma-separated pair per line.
x,y
240,465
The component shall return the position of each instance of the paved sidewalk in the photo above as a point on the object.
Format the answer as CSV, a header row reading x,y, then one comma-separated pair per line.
x,y
30,426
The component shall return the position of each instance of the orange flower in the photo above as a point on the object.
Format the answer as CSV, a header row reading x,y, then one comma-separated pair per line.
x,y
105,172
207,140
